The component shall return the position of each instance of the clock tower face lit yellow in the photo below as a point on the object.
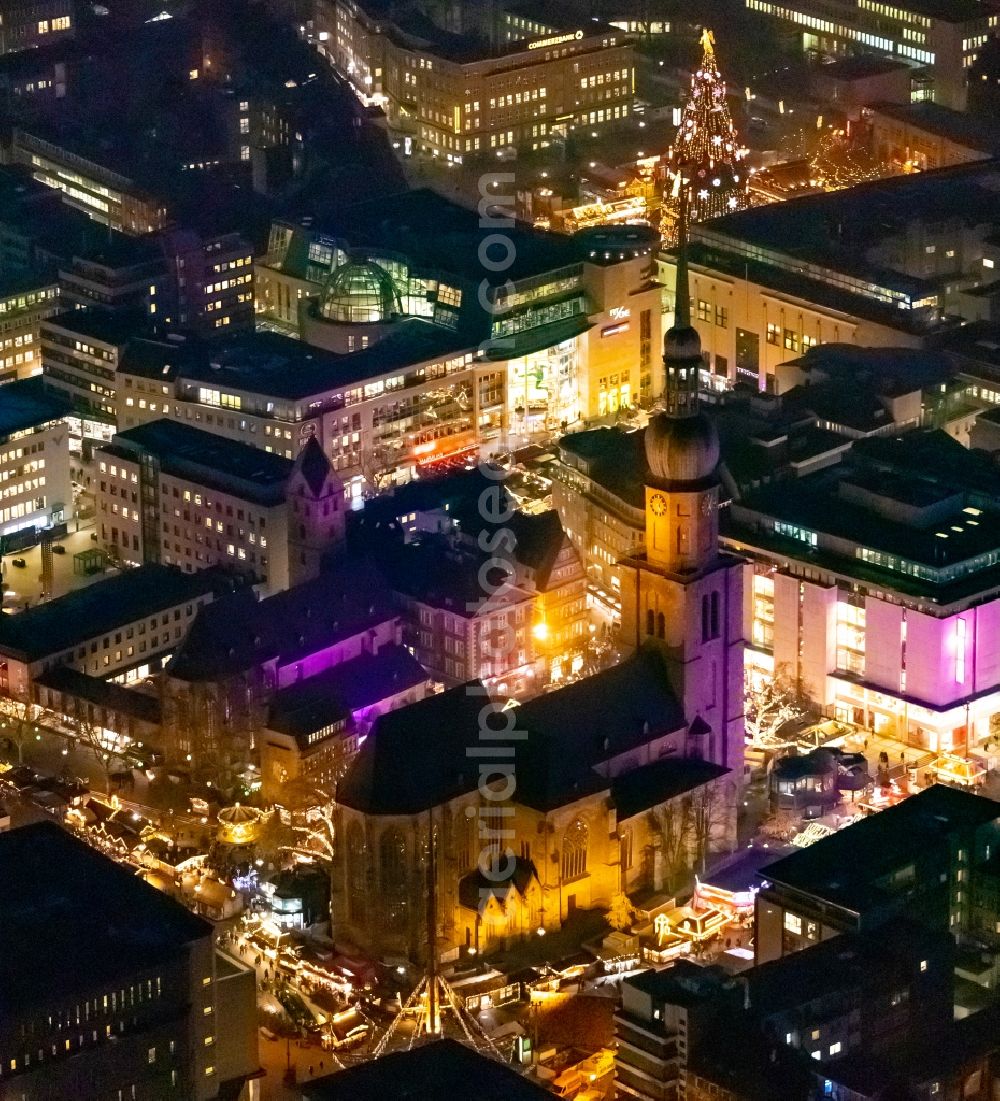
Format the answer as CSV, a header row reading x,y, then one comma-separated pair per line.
x,y
658,503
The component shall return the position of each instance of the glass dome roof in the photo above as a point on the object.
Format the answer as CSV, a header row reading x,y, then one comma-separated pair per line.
x,y
360,291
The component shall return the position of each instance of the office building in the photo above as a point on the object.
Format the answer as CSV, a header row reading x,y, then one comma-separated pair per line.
x,y
928,136
28,24
81,351
942,38
875,588
931,858
25,302
571,331
119,989
894,263
529,81
36,489
126,274
170,493
121,627
378,413
785,1028
112,198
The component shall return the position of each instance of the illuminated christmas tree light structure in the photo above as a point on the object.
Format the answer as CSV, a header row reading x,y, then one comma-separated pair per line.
x,y
706,152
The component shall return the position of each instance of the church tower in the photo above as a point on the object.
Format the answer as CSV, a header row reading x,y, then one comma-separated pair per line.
x,y
681,595
316,513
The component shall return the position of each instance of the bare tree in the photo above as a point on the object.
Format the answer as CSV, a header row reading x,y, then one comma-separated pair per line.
x,y
90,734
378,465
770,702
19,722
308,810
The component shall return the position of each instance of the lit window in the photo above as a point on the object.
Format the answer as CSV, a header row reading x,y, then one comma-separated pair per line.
x,y
835,1048
793,923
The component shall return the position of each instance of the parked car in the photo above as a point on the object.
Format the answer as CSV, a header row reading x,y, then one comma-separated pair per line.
x,y
19,562
58,548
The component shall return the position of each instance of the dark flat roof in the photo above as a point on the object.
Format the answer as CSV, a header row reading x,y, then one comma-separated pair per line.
x,y
275,365
438,233
26,403
207,459
439,1071
103,325
958,126
74,920
66,622
843,868
816,503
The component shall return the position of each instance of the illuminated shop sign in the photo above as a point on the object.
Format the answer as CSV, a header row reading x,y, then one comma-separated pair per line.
x,y
555,40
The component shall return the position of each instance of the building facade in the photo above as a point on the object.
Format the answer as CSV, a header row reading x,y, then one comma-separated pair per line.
x,y
177,495
944,38
768,284
121,628
106,196
24,304
874,588
150,1007
456,97
27,24
36,489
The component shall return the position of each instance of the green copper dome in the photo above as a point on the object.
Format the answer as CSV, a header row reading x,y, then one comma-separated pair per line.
x,y
360,291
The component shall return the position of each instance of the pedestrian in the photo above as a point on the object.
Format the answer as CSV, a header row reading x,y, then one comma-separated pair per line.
x,y
310,1070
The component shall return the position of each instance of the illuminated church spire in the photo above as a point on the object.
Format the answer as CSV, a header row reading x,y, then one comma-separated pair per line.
x,y
682,360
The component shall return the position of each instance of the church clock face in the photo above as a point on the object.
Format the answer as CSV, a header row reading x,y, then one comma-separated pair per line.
x,y
658,503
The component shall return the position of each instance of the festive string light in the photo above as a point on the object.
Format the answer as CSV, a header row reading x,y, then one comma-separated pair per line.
x,y
707,148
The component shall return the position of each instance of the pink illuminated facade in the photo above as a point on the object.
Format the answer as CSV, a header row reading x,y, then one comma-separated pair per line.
x,y
878,596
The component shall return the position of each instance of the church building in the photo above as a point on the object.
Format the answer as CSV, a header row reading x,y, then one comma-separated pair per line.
x,y
624,783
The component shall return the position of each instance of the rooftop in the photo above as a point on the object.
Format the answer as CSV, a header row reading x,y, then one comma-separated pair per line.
x,y
819,246
279,366
334,695
957,126
862,66
433,1072
845,868
27,404
61,624
436,233
909,526
104,693
569,733
104,325
98,922
685,984
444,573
207,459
239,632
